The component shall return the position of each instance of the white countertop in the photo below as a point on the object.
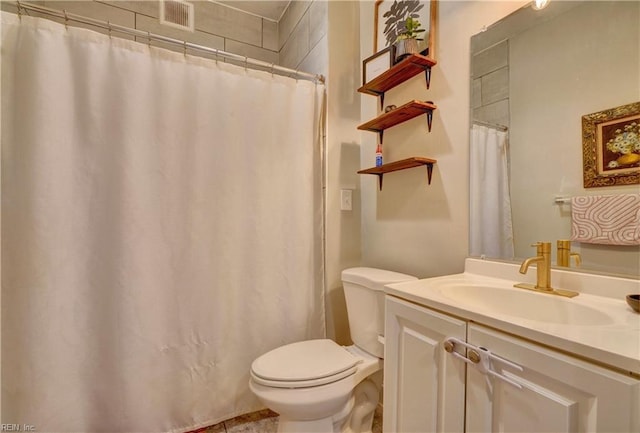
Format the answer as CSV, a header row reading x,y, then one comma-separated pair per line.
x,y
615,343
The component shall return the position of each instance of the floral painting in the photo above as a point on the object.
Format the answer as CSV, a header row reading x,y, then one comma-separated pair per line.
x,y
621,141
611,146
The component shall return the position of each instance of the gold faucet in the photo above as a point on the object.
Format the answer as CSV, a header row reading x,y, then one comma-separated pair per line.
x,y
543,272
565,254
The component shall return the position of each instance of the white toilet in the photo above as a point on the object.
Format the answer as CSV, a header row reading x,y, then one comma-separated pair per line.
x,y
318,386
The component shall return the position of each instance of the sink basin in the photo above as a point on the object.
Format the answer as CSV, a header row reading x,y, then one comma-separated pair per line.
x,y
524,304
597,324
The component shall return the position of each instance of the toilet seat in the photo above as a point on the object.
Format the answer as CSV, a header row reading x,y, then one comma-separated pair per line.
x,y
304,364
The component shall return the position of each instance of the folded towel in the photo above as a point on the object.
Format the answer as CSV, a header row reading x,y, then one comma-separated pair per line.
x,y
606,219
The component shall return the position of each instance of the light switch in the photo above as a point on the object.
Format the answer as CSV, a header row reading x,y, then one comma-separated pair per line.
x,y
346,199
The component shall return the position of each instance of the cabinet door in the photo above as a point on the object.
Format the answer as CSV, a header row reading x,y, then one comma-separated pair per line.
x,y
423,384
559,393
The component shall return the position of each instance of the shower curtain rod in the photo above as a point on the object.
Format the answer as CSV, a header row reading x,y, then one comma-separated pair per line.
x,y
491,125
151,36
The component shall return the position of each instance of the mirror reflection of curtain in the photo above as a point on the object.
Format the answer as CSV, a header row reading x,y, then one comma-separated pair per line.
x,y
491,232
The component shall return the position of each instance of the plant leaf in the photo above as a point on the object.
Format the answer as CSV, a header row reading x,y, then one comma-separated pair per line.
x,y
396,16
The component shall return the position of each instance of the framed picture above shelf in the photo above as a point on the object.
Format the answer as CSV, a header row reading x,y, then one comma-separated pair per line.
x,y
390,18
378,64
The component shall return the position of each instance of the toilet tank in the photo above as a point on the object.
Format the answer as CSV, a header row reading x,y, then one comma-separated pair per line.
x,y
364,293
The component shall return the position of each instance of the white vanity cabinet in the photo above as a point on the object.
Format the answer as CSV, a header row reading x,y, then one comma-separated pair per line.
x,y
559,393
423,384
430,390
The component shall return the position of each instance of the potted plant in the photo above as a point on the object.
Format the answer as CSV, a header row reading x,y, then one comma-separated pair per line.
x,y
396,17
407,41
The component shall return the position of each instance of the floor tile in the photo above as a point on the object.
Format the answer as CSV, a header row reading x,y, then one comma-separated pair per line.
x,y
377,420
264,421
218,428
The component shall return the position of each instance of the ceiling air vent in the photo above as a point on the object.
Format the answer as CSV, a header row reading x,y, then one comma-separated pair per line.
x,y
177,13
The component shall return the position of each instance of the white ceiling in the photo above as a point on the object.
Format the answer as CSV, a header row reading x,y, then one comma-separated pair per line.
x,y
270,9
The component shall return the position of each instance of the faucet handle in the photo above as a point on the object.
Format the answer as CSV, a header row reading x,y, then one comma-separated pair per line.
x,y
577,257
564,254
542,248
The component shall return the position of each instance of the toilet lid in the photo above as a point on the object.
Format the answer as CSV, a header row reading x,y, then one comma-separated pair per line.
x,y
303,364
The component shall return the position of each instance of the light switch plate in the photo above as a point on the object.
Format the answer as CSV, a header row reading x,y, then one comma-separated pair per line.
x,y
346,199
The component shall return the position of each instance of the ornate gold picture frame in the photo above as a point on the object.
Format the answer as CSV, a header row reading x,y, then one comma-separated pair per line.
x,y
611,146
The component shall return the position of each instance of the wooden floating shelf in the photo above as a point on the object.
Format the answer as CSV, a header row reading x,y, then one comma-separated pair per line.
x,y
403,164
399,73
398,115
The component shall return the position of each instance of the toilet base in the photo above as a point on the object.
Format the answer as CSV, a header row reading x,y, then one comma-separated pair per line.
x,y
355,417
324,425
366,397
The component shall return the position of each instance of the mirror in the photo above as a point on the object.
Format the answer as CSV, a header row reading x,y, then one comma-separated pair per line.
x,y
536,73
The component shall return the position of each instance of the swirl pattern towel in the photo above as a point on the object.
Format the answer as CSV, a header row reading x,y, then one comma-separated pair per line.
x,y
606,219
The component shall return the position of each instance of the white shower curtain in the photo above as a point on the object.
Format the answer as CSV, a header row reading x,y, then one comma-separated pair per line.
x,y
490,225
161,227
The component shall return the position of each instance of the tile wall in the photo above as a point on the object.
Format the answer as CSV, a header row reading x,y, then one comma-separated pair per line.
x,y
490,84
294,42
302,36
